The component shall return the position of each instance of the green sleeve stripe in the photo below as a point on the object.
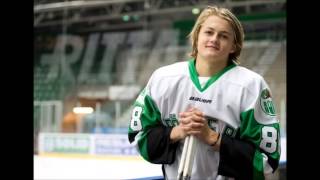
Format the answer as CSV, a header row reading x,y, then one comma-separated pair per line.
x,y
150,117
142,143
258,166
250,129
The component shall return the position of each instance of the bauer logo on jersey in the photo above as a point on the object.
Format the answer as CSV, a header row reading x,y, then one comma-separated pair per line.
x,y
266,103
192,98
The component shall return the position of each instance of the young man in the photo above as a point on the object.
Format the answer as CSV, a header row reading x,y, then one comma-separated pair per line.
x,y
226,107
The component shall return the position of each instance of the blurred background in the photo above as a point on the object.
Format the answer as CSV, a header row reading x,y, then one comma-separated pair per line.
x,y
92,58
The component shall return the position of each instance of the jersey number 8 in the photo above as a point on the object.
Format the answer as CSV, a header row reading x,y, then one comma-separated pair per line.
x,y
269,139
135,123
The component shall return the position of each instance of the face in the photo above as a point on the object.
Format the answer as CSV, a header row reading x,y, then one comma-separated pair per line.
x,y
215,39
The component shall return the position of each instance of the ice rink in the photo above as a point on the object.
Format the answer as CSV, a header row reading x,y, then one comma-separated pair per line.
x,y
90,156
96,168
82,167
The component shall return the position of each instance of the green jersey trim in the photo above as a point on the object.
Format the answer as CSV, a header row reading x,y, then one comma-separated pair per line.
x,y
143,146
195,79
150,117
251,129
258,166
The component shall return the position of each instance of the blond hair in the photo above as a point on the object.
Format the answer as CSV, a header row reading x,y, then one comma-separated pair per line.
x,y
229,17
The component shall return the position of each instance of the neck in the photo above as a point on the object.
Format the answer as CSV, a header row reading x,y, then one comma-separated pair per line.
x,y
208,68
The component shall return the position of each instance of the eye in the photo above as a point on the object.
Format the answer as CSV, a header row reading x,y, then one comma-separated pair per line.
x,y
223,36
208,32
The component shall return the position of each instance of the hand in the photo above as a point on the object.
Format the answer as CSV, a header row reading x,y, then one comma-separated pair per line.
x,y
193,122
207,135
190,123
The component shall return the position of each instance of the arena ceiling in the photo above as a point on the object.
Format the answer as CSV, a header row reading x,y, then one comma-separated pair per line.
x,y
111,15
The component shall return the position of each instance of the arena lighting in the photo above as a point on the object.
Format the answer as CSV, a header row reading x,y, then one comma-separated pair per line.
x,y
126,18
83,110
136,17
195,11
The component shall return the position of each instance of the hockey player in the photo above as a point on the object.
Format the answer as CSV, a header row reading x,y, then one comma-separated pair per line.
x,y
228,108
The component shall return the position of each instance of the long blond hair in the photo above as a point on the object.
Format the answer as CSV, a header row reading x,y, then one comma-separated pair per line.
x,y
226,15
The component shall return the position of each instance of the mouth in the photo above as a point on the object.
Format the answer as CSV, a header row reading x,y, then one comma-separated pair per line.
x,y
213,47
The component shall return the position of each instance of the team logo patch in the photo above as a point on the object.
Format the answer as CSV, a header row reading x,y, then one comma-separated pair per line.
x,y
229,131
266,103
213,123
171,121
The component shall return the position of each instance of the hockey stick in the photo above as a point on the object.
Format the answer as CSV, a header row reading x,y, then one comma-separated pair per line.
x,y
187,158
183,158
192,147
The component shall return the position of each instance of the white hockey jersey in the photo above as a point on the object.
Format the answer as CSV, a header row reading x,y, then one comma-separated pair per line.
x,y
236,102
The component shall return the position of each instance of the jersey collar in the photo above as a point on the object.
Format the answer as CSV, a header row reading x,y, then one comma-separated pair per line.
x,y
194,75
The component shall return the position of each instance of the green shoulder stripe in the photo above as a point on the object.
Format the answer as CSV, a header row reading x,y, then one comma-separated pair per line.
x,y
258,164
264,136
150,117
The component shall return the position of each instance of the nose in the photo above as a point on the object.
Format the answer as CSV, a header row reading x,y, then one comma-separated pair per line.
x,y
214,38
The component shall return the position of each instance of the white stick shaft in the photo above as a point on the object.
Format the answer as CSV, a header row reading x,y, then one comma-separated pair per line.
x,y
192,147
183,157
